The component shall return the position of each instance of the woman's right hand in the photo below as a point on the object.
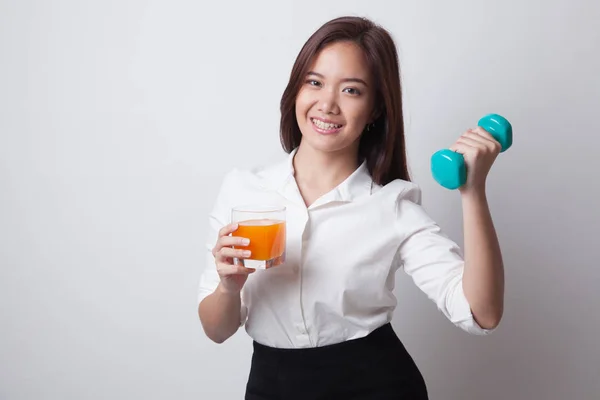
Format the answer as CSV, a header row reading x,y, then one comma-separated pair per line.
x,y
233,277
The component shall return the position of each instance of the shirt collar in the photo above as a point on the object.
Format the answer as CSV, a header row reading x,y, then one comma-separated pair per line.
x,y
280,177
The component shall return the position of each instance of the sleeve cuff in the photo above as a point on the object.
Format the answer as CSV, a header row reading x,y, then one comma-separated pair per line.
x,y
463,316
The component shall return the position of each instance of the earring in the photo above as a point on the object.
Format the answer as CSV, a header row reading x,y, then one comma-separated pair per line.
x,y
369,126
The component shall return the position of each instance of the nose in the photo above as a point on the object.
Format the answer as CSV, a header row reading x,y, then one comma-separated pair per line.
x,y
328,102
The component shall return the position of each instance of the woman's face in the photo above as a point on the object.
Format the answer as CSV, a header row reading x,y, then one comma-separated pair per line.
x,y
336,99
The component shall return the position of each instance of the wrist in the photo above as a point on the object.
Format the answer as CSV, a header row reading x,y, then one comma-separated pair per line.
x,y
474,194
223,291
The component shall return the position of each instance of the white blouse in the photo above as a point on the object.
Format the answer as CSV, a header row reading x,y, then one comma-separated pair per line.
x,y
342,253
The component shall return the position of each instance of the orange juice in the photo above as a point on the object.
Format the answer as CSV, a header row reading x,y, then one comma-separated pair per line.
x,y
267,238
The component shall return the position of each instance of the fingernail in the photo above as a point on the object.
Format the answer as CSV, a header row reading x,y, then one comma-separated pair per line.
x,y
247,253
245,242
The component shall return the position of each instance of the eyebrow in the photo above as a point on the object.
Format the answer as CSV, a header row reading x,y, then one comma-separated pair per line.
x,y
343,80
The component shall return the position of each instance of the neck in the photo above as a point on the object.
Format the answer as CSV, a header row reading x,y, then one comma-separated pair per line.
x,y
321,170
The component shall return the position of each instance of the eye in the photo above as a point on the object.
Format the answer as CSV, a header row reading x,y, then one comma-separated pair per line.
x,y
313,82
352,91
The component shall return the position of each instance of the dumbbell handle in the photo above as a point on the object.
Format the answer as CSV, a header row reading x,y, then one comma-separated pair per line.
x,y
448,167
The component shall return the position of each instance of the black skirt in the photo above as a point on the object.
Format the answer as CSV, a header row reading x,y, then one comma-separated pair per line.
x,y
376,367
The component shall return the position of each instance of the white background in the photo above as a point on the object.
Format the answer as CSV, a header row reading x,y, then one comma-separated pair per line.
x,y
118,120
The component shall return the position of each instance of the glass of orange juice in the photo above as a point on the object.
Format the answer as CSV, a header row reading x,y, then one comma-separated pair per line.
x,y
265,227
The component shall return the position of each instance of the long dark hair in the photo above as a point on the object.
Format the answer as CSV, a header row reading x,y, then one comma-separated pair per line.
x,y
383,146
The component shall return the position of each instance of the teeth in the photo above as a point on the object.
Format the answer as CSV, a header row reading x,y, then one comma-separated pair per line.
x,y
324,125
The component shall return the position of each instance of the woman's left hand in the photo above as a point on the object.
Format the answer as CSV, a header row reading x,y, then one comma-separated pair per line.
x,y
479,150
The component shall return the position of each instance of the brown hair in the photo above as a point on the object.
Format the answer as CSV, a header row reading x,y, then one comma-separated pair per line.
x,y
383,146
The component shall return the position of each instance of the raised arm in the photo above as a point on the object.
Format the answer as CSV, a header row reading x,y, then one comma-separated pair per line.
x,y
483,281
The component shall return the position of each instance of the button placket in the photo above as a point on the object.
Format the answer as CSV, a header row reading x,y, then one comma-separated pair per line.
x,y
305,231
297,221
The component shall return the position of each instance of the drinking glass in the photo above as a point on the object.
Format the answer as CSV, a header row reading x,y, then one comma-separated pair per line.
x,y
265,226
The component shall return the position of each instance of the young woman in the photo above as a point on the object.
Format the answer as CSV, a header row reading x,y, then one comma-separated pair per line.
x,y
321,321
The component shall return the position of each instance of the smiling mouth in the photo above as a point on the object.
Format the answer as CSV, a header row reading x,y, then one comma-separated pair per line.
x,y
325,127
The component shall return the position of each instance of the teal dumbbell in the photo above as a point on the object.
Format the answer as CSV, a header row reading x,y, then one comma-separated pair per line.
x,y
448,167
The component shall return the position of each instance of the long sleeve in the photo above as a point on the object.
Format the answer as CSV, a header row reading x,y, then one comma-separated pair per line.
x,y
433,261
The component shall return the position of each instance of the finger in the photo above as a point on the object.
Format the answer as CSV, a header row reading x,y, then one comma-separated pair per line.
x,y
482,133
229,269
469,141
488,145
231,241
227,229
228,252
476,136
461,148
